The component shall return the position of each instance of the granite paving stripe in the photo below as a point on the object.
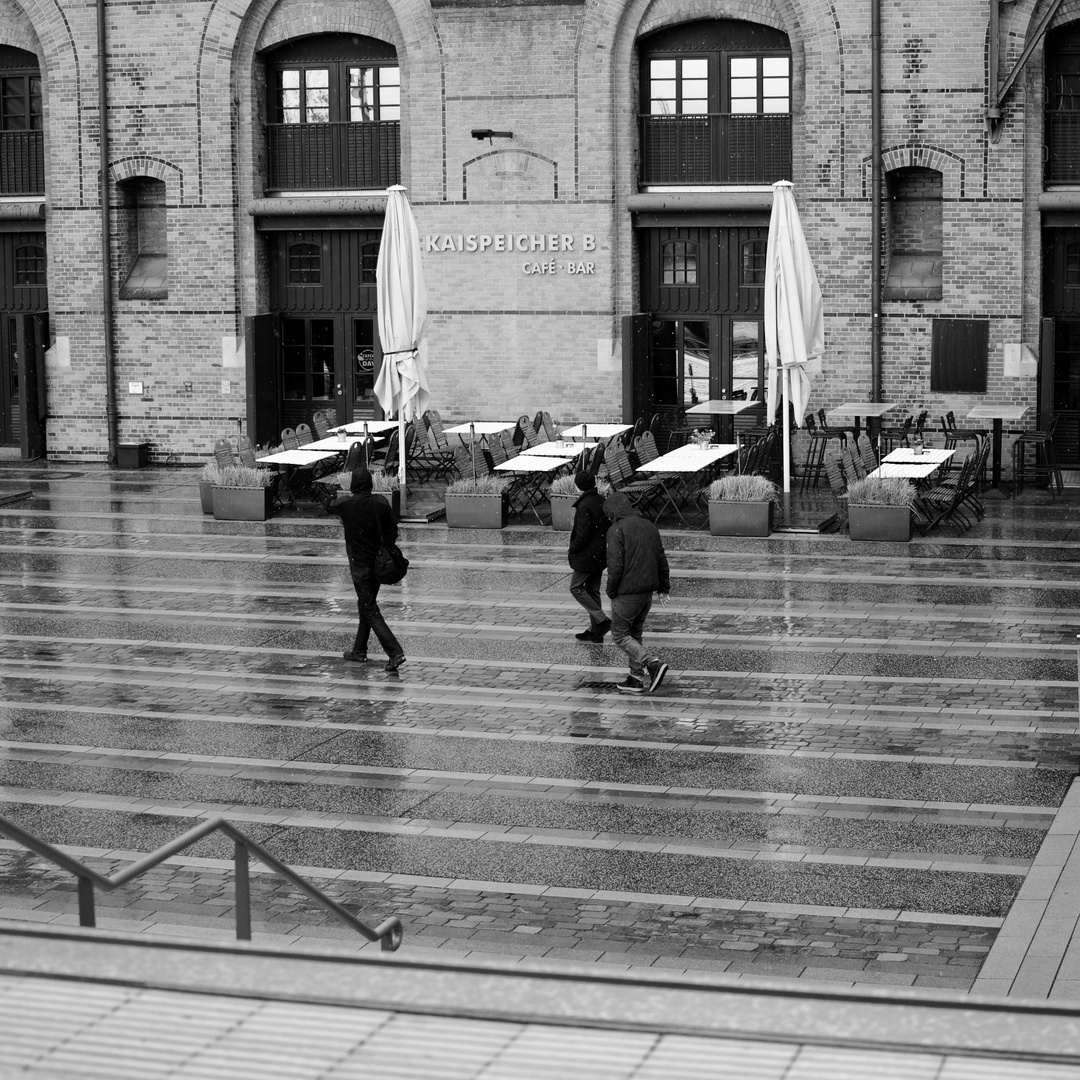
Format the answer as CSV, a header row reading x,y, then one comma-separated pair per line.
x,y
568,866
993,816
514,810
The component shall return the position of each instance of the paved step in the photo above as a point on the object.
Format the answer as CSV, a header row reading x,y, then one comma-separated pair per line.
x,y
846,776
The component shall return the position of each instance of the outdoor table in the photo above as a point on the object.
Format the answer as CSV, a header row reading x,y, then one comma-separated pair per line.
x,y
723,409
534,470
568,450
908,470
334,442
595,431
687,462
997,413
292,460
906,455
872,410
483,428
373,427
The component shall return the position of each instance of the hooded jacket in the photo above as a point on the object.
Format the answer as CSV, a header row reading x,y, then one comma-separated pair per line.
x,y
369,522
636,562
588,548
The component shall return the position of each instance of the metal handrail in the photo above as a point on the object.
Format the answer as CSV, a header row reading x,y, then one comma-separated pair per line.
x,y
388,933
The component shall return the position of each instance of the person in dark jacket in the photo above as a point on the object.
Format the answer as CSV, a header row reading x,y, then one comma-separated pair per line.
x,y
369,523
637,567
588,556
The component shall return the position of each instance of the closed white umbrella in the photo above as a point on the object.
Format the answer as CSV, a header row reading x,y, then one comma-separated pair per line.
x,y
794,316
401,299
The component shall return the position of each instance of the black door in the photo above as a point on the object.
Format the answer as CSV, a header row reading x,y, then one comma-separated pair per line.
x,y
10,396
1059,376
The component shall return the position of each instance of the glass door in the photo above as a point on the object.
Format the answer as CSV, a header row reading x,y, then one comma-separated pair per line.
x,y
366,356
311,372
9,381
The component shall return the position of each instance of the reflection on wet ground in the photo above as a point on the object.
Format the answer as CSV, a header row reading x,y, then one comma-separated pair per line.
x,y
845,776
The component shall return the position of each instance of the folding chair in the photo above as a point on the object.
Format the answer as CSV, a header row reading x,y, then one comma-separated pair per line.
x,y
223,453
545,428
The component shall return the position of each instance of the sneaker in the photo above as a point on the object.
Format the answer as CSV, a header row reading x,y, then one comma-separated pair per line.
x,y
586,635
600,629
632,686
657,669
355,657
395,662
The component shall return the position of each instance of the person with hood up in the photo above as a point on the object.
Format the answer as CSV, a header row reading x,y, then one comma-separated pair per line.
x,y
637,567
587,556
369,523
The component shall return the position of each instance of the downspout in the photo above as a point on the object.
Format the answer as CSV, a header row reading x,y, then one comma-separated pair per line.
x,y
106,268
875,200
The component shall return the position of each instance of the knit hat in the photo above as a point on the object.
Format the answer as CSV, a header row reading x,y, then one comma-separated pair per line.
x,y
361,482
584,481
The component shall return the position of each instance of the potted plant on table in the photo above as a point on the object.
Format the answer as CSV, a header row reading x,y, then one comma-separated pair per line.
x,y
879,508
242,493
480,502
211,474
742,505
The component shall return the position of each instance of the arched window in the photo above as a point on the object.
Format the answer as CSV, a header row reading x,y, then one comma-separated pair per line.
x,y
915,235
335,111
304,262
678,263
22,152
715,104
29,265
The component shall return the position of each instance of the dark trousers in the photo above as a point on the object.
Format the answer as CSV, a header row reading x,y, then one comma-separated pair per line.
x,y
370,617
585,589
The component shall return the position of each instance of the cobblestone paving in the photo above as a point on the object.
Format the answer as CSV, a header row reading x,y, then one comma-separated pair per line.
x,y
844,778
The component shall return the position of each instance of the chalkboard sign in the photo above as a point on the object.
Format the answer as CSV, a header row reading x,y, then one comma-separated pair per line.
x,y
958,356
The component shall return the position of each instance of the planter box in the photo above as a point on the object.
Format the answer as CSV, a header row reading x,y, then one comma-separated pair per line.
x,y
391,497
727,518
891,524
242,504
562,512
477,511
206,496
132,455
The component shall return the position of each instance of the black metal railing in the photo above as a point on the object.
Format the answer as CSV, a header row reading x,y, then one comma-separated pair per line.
x,y
388,932
1063,148
22,163
303,157
715,148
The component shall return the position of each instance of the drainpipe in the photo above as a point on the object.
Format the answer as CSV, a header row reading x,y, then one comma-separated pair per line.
x,y
106,268
875,200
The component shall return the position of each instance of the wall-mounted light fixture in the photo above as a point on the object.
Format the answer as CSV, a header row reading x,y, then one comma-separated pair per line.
x,y
487,133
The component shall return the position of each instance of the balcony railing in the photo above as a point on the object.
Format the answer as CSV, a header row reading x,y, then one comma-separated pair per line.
x,y
1063,148
22,163
332,156
716,148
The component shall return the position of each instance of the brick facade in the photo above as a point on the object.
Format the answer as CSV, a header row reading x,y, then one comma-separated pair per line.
x,y
185,101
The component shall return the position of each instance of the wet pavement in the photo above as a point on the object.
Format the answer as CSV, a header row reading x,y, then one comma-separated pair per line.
x,y
846,776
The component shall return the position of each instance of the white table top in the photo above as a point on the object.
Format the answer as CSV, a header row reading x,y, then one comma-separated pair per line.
x,y
525,463
480,427
374,427
597,431
906,470
724,407
905,455
334,443
998,412
862,408
297,457
563,448
690,458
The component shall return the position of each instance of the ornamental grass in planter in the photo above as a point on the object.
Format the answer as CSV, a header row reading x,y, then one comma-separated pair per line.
x,y
879,508
562,495
242,494
742,505
480,502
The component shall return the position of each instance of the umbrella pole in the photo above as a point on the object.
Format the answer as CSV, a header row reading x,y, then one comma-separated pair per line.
x,y
785,405
401,462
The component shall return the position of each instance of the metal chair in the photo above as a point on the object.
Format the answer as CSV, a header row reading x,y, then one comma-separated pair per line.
x,y
1042,442
819,440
